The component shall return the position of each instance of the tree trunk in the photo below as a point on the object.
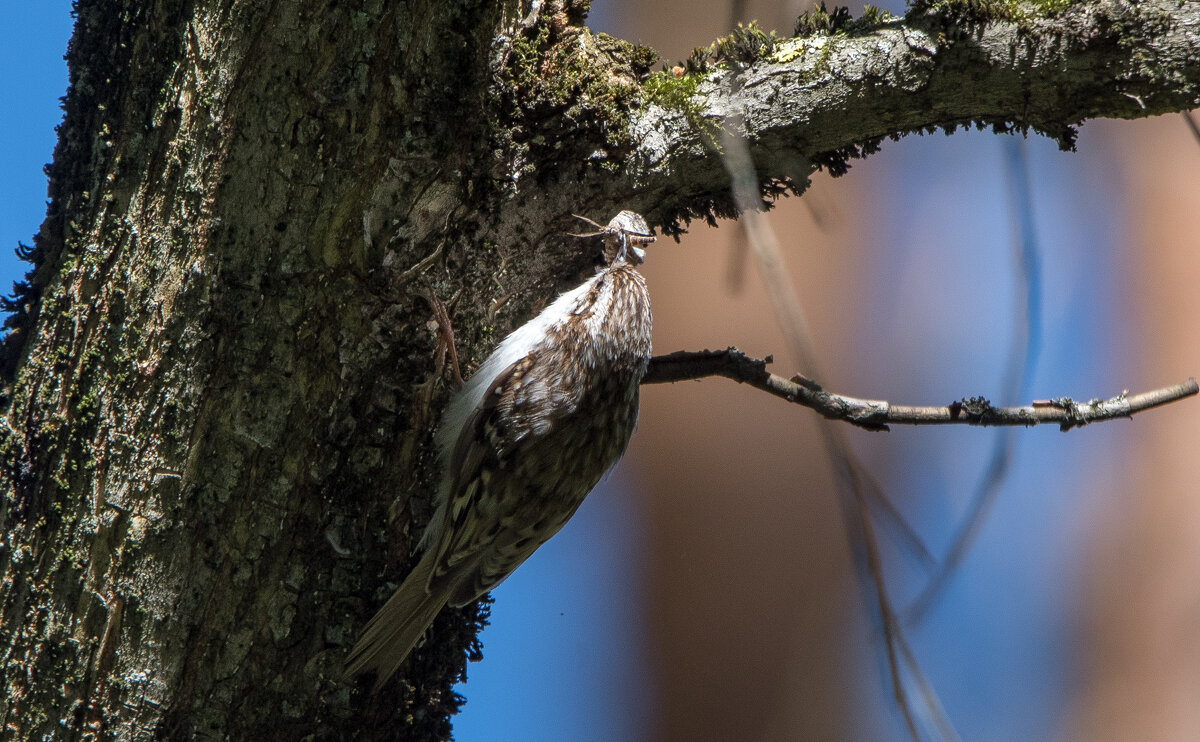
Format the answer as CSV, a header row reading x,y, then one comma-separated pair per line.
x,y
220,429
224,373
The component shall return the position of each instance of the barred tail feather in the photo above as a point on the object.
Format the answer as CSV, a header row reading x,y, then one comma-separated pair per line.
x,y
392,633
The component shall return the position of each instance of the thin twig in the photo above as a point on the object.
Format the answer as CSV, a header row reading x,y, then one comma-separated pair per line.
x,y
445,334
421,266
875,414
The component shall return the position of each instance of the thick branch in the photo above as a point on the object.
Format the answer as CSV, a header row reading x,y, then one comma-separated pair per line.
x,y
873,414
815,101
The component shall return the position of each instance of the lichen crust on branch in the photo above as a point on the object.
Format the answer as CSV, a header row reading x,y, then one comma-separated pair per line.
x,y
834,94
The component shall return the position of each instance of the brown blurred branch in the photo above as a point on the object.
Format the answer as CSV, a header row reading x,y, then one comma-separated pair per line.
x,y
858,490
1191,122
874,414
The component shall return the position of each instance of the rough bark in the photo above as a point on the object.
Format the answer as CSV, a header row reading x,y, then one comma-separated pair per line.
x,y
216,447
822,100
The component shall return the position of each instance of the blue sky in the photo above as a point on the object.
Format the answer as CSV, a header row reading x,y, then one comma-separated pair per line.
x,y
33,39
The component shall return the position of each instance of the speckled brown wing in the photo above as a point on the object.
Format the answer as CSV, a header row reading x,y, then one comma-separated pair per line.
x,y
478,447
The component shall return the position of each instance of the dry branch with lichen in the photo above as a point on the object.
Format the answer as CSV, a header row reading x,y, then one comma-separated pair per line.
x,y
822,99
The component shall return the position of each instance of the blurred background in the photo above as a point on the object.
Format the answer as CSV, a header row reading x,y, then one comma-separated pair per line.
x,y
707,590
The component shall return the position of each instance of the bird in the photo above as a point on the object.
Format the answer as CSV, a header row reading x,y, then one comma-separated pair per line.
x,y
524,441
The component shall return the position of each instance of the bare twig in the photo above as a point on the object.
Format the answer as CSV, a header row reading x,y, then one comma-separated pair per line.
x,y
420,268
445,335
874,414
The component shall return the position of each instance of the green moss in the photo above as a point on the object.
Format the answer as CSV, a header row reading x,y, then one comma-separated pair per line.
x,y
746,45
976,11
821,66
669,91
567,95
678,93
822,22
875,17
88,407
641,57
1052,7
559,74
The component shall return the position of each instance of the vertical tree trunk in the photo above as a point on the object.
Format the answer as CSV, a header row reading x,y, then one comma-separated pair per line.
x,y
225,372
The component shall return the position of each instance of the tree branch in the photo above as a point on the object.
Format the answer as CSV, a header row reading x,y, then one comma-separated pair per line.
x,y
872,414
817,101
